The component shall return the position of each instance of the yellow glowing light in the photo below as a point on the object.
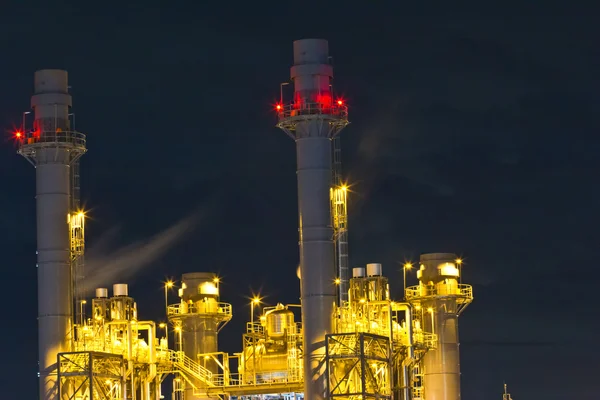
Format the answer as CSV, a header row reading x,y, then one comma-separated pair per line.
x,y
162,325
83,302
430,310
458,261
338,281
177,329
408,265
169,284
344,188
256,300
362,300
418,307
216,279
206,357
107,382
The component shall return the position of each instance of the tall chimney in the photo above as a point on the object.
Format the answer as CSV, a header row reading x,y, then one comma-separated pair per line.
x,y
313,119
52,147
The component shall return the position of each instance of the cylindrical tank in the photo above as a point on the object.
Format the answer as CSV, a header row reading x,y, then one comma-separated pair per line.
x,y
101,293
358,272
441,366
120,290
279,323
374,269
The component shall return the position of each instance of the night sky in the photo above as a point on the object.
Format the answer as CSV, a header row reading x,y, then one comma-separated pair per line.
x,y
473,131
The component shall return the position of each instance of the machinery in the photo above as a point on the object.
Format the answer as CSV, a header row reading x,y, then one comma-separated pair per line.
x,y
353,342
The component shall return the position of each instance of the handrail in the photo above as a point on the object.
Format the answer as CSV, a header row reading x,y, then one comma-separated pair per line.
x,y
222,309
193,368
293,110
461,291
58,137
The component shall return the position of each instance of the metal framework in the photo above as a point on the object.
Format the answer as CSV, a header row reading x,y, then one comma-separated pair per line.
x,y
91,375
358,366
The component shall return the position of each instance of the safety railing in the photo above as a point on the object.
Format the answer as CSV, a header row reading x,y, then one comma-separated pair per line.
x,y
189,366
217,309
52,138
295,110
461,291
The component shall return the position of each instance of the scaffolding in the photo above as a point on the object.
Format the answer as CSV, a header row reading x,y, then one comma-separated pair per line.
x,y
91,375
358,366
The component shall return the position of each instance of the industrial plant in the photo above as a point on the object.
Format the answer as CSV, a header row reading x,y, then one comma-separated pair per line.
x,y
353,341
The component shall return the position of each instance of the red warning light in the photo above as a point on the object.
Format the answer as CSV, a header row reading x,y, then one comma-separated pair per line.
x,y
18,134
278,107
340,102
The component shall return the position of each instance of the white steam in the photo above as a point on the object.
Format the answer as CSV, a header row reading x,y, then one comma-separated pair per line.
x,y
103,267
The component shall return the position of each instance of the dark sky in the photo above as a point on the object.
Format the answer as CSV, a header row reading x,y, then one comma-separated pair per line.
x,y
473,131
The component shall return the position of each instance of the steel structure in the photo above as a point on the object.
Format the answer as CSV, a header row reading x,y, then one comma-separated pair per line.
x,y
441,298
312,120
53,147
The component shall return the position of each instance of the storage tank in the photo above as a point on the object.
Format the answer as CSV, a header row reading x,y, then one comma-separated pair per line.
x,y
279,322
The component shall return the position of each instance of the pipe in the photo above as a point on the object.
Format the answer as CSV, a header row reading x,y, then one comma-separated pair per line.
x,y
408,318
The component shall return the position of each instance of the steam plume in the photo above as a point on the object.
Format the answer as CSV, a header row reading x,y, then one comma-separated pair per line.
x,y
103,268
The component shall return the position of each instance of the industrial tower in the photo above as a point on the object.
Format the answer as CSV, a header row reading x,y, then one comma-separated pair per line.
x,y
313,119
440,298
53,148
197,320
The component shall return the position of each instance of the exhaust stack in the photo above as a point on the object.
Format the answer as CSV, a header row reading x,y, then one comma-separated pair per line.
x,y
313,119
53,148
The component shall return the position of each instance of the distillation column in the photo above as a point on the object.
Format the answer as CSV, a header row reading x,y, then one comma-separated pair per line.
x,y
52,148
197,319
312,120
441,299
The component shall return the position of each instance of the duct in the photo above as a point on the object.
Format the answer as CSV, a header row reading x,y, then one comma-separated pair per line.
x,y
406,363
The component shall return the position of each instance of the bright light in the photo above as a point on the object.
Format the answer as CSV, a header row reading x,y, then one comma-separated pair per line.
x,y
458,261
177,329
208,288
278,107
18,134
340,102
408,266
430,310
344,188
338,281
169,284
256,300
162,325
216,279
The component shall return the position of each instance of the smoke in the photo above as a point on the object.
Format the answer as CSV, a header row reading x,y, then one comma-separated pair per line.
x,y
103,266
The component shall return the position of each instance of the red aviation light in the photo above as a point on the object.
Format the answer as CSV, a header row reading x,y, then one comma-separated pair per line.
x,y
18,135
340,102
278,107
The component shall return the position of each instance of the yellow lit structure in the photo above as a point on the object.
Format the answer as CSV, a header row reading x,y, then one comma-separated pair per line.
x,y
440,299
377,342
